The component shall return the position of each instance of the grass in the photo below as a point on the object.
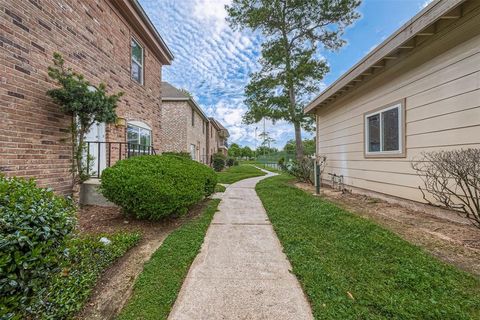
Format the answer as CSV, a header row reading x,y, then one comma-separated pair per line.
x,y
220,188
237,173
351,268
158,285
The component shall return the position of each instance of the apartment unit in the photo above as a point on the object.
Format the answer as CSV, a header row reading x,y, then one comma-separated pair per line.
x,y
418,91
184,124
110,41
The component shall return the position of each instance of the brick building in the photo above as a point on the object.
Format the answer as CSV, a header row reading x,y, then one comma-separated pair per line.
x,y
186,128
218,136
184,124
110,41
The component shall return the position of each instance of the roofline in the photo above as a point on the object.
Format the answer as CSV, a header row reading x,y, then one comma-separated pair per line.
x,y
136,16
190,101
214,122
144,15
422,20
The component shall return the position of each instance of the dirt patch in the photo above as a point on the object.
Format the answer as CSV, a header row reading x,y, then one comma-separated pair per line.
x,y
115,285
452,242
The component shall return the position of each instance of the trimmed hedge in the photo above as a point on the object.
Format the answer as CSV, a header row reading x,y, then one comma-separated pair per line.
x,y
219,161
153,187
34,227
179,154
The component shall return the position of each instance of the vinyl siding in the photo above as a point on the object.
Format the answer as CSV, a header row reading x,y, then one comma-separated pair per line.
x,y
440,82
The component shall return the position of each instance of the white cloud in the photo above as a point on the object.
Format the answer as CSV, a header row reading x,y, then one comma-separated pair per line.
x,y
212,11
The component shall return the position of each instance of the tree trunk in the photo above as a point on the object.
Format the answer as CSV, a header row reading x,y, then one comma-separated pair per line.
x,y
298,141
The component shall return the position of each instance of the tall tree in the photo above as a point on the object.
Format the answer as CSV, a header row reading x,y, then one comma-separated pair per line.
x,y
292,67
234,150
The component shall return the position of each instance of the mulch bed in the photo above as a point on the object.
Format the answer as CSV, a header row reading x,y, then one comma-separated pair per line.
x,y
115,286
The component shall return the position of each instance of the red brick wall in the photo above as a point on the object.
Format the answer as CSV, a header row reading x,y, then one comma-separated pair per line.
x,y
94,40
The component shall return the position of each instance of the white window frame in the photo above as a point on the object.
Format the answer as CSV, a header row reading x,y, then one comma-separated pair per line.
x,y
132,60
401,131
140,125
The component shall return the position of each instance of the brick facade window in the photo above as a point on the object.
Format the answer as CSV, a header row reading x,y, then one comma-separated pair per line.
x,y
193,118
139,135
137,61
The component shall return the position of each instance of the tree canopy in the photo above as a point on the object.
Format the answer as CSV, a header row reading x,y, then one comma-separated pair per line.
x,y
308,145
292,66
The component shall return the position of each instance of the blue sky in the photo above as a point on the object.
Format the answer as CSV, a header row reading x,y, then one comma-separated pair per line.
x,y
213,62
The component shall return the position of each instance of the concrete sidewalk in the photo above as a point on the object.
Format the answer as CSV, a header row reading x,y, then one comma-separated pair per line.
x,y
241,271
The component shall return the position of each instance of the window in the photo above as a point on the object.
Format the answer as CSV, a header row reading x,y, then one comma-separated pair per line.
x,y
139,138
137,61
203,126
193,117
384,131
192,152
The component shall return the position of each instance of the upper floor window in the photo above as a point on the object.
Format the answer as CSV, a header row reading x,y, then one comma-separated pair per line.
x,y
137,61
384,131
193,117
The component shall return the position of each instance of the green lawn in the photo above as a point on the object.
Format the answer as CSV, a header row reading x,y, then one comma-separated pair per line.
x,y
351,268
158,285
237,173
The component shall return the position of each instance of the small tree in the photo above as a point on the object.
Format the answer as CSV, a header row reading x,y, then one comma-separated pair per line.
x,y
452,178
86,104
235,150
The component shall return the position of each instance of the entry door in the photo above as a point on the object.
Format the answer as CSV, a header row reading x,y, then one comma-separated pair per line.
x,y
97,151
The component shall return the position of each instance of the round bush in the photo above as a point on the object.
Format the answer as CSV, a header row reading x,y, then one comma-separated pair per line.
x,y
230,162
34,225
219,161
153,187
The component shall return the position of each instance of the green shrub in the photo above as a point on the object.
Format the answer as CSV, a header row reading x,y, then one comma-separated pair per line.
x,y
218,162
34,226
185,155
230,162
154,187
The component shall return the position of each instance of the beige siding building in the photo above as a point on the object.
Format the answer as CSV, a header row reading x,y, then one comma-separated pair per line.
x,y
418,91
184,124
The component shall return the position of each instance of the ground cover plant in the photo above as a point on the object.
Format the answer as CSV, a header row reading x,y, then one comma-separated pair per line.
x,y
153,187
47,270
158,285
87,257
351,268
237,173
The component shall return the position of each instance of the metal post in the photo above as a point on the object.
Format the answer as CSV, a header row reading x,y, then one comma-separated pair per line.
x,y
317,178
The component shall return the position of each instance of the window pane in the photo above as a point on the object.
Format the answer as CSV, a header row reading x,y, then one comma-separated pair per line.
x,y
137,52
136,72
145,137
132,134
373,125
390,130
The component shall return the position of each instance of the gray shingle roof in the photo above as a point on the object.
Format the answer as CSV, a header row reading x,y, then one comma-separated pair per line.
x,y
170,92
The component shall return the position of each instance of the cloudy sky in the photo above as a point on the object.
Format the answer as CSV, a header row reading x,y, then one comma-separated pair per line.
x,y
213,62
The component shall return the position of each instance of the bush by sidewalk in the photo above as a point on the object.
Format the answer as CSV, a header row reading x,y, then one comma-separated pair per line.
x,y
153,187
34,227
